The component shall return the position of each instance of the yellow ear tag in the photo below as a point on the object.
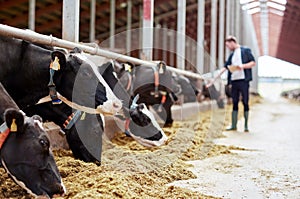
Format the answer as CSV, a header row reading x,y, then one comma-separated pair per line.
x,y
82,116
13,126
55,64
127,67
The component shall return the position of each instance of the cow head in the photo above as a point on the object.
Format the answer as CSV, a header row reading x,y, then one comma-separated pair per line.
x,y
26,156
80,82
143,127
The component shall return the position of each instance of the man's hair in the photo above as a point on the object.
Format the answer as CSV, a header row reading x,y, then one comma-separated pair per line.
x,y
231,38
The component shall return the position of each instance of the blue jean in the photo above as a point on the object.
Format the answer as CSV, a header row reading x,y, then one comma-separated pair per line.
x,y
240,87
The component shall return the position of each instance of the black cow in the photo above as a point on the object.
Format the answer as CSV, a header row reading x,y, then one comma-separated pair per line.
x,y
24,151
153,84
24,72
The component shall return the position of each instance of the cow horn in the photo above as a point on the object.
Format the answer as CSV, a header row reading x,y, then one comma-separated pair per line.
x,y
134,102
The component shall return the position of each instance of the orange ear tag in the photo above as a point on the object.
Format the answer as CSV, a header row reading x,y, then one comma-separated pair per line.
x,y
13,126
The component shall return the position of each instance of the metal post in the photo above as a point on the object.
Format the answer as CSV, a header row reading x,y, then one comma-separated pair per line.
x,y
213,35
148,10
31,17
264,26
92,20
221,33
180,50
228,22
157,44
172,46
112,24
164,42
237,19
128,32
70,24
200,36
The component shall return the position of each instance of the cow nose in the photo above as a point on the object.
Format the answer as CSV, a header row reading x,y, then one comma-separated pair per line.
x,y
61,191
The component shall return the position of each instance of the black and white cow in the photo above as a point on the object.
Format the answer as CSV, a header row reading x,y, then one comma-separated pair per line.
x,y
140,122
25,152
153,84
25,73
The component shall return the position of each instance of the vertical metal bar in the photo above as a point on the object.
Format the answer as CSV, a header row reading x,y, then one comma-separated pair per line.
x,y
264,26
148,8
157,44
71,20
92,20
180,48
31,17
112,24
164,42
200,36
172,47
228,22
213,35
221,33
128,32
237,20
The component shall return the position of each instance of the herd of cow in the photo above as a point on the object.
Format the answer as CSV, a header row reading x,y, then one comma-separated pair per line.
x,y
120,89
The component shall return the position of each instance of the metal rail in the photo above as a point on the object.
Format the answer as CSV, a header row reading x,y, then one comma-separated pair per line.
x,y
35,37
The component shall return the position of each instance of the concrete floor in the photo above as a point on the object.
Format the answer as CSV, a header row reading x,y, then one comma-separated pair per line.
x,y
270,165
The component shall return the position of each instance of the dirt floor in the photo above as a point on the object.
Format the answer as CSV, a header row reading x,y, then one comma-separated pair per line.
x,y
130,170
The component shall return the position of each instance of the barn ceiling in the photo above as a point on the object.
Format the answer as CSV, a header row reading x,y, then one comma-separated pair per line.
x,y
49,20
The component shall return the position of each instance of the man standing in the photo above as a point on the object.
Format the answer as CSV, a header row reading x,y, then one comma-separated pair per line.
x,y
238,64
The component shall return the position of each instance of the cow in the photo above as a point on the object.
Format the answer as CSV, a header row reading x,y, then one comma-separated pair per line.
x,y
24,151
183,86
27,74
153,84
139,121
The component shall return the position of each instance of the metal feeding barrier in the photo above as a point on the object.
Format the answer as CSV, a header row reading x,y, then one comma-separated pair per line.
x,y
35,37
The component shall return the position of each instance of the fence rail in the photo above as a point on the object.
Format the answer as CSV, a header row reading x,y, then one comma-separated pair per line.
x,y
35,37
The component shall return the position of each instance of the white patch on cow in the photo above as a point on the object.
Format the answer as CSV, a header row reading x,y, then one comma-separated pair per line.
x,y
39,123
20,183
113,104
164,138
103,120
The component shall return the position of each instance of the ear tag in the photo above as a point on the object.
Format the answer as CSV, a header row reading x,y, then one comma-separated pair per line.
x,y
55,65
127,67
13,126
82,116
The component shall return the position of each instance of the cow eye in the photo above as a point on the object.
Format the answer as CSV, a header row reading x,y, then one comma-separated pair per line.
x,y
141,106
44,143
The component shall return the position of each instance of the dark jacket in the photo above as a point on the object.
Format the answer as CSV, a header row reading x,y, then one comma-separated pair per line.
x,y
246,57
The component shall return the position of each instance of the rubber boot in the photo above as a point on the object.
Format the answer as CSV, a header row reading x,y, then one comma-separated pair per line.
x,y
234,116
246,114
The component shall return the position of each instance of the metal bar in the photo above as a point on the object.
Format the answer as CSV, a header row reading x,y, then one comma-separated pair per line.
x,y
213,35
148,11
128,27
180,47
200,36
221,33
53,41
92,20
112,24
31,17
70,24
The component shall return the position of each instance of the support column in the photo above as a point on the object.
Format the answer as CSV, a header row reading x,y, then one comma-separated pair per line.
x,y
228,22
180,50
172,47
237,20
92,20
70,24
221,33
112,24
264,26
128,32
164,42
31,17
200,36
213,35
148,10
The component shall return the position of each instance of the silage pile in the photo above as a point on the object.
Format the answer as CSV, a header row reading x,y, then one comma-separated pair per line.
x,y
130,170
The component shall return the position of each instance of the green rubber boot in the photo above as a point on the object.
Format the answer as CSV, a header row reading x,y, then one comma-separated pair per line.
x,y
234,116
246,115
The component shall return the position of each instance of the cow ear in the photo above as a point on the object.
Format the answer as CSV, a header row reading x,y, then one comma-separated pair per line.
x,y
14,119
61,58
